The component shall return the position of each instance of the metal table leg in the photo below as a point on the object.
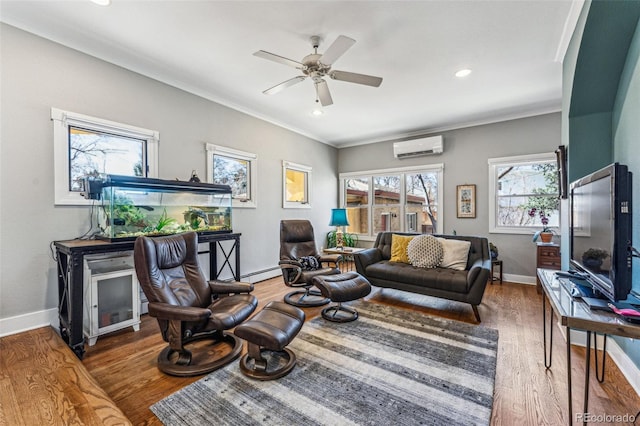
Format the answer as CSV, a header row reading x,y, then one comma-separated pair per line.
x,y
547,363
587,369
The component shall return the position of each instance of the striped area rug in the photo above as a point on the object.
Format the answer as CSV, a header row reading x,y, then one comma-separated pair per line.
x,y
389,367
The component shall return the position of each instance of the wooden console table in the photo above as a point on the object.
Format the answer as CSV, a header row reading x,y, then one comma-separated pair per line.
x,y
575,314
70,258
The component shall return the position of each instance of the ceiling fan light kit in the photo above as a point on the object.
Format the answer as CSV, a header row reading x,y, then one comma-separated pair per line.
x,y
316,66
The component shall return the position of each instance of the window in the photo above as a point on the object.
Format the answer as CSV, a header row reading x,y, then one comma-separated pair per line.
x,y
89,146
517,185
412,222
401,200
386,203
421,202
296,185
235,168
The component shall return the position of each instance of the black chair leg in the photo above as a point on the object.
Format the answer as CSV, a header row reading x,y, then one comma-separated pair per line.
x,y
476,312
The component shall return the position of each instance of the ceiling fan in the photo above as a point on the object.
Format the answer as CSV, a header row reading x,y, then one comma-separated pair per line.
x,y
317,66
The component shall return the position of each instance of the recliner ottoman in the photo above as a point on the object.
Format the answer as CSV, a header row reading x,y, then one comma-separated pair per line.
x,y
340,288
271,329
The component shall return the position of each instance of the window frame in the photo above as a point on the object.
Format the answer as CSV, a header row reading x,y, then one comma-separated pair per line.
x,y
308,170
63,120
518,160
437,168
252,184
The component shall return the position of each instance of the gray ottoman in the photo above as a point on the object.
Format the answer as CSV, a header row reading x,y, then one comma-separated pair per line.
x,y
341,288
267,334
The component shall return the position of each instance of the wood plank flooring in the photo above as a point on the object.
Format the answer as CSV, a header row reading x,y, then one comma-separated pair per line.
x,y
43,382
124,363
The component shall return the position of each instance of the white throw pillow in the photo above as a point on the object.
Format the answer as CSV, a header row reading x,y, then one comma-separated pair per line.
x,y
455,253
425,251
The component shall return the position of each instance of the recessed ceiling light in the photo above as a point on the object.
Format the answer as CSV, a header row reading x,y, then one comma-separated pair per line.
x,y
317,112
101,2
463,73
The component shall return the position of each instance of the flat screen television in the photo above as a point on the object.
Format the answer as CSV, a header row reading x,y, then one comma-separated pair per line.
x,y
600,230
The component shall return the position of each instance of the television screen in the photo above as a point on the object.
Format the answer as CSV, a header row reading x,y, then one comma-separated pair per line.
x,y
601,230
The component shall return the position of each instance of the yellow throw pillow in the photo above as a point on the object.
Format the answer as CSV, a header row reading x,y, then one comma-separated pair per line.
x,y
399,245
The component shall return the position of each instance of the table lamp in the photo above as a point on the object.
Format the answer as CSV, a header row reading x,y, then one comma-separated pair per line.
x,y
339,219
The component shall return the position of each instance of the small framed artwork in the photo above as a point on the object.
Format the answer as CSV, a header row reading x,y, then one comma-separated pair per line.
x,y
466,201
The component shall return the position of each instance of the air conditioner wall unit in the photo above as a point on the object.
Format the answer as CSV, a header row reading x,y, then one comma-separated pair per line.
x,y
418,147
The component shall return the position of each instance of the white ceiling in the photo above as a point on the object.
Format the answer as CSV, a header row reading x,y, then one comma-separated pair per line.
x,y
206,47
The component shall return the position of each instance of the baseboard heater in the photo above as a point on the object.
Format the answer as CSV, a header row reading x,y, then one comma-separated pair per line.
x,y
263,274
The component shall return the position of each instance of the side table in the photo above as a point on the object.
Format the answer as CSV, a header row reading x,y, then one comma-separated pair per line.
x,y
495,263
347,256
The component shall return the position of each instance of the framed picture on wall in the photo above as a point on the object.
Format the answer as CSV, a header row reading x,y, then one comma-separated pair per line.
x,y
466,201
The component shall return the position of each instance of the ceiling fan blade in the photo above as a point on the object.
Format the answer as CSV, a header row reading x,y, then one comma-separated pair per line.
x,y
353,77
322,91
280,87
337,49
279,59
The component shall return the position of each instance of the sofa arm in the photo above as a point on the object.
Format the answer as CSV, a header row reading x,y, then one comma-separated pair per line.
x,y
365,258
479,272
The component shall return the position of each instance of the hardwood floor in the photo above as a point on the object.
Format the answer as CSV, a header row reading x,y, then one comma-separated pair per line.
x,y
124,363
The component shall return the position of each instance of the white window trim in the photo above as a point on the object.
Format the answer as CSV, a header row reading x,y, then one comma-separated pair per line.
x,y
300,168
62,120
212,150
494,163
437,168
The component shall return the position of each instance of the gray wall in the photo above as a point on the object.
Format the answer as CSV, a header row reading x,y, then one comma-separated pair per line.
x,y
602,126
465,156
38,74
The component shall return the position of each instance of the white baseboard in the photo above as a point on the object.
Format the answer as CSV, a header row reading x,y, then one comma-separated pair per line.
x,y
25,322
520,279
629,370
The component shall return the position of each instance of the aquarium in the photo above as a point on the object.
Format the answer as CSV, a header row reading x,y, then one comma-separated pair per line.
x,y
134,206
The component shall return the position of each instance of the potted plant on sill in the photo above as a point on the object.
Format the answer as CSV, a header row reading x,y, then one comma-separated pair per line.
x,y
546,233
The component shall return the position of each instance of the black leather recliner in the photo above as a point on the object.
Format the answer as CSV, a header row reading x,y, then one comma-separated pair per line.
x,y
187,307
296,243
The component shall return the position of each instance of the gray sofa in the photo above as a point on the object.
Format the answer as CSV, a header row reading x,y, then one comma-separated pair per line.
x,y
464,286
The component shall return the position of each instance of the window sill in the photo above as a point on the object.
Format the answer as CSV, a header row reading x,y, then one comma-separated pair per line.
x,y
518,231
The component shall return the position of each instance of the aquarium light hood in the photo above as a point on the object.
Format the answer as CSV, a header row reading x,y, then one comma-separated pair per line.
x,y
94,185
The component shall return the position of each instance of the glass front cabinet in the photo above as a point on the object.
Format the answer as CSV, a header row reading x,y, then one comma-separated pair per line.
x,y
112,295
134,206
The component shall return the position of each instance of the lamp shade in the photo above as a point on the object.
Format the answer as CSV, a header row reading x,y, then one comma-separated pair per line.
x,y
339,217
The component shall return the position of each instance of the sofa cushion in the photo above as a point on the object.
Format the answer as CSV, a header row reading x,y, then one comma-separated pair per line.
x,y
399,245
438,278
425,251
455,253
